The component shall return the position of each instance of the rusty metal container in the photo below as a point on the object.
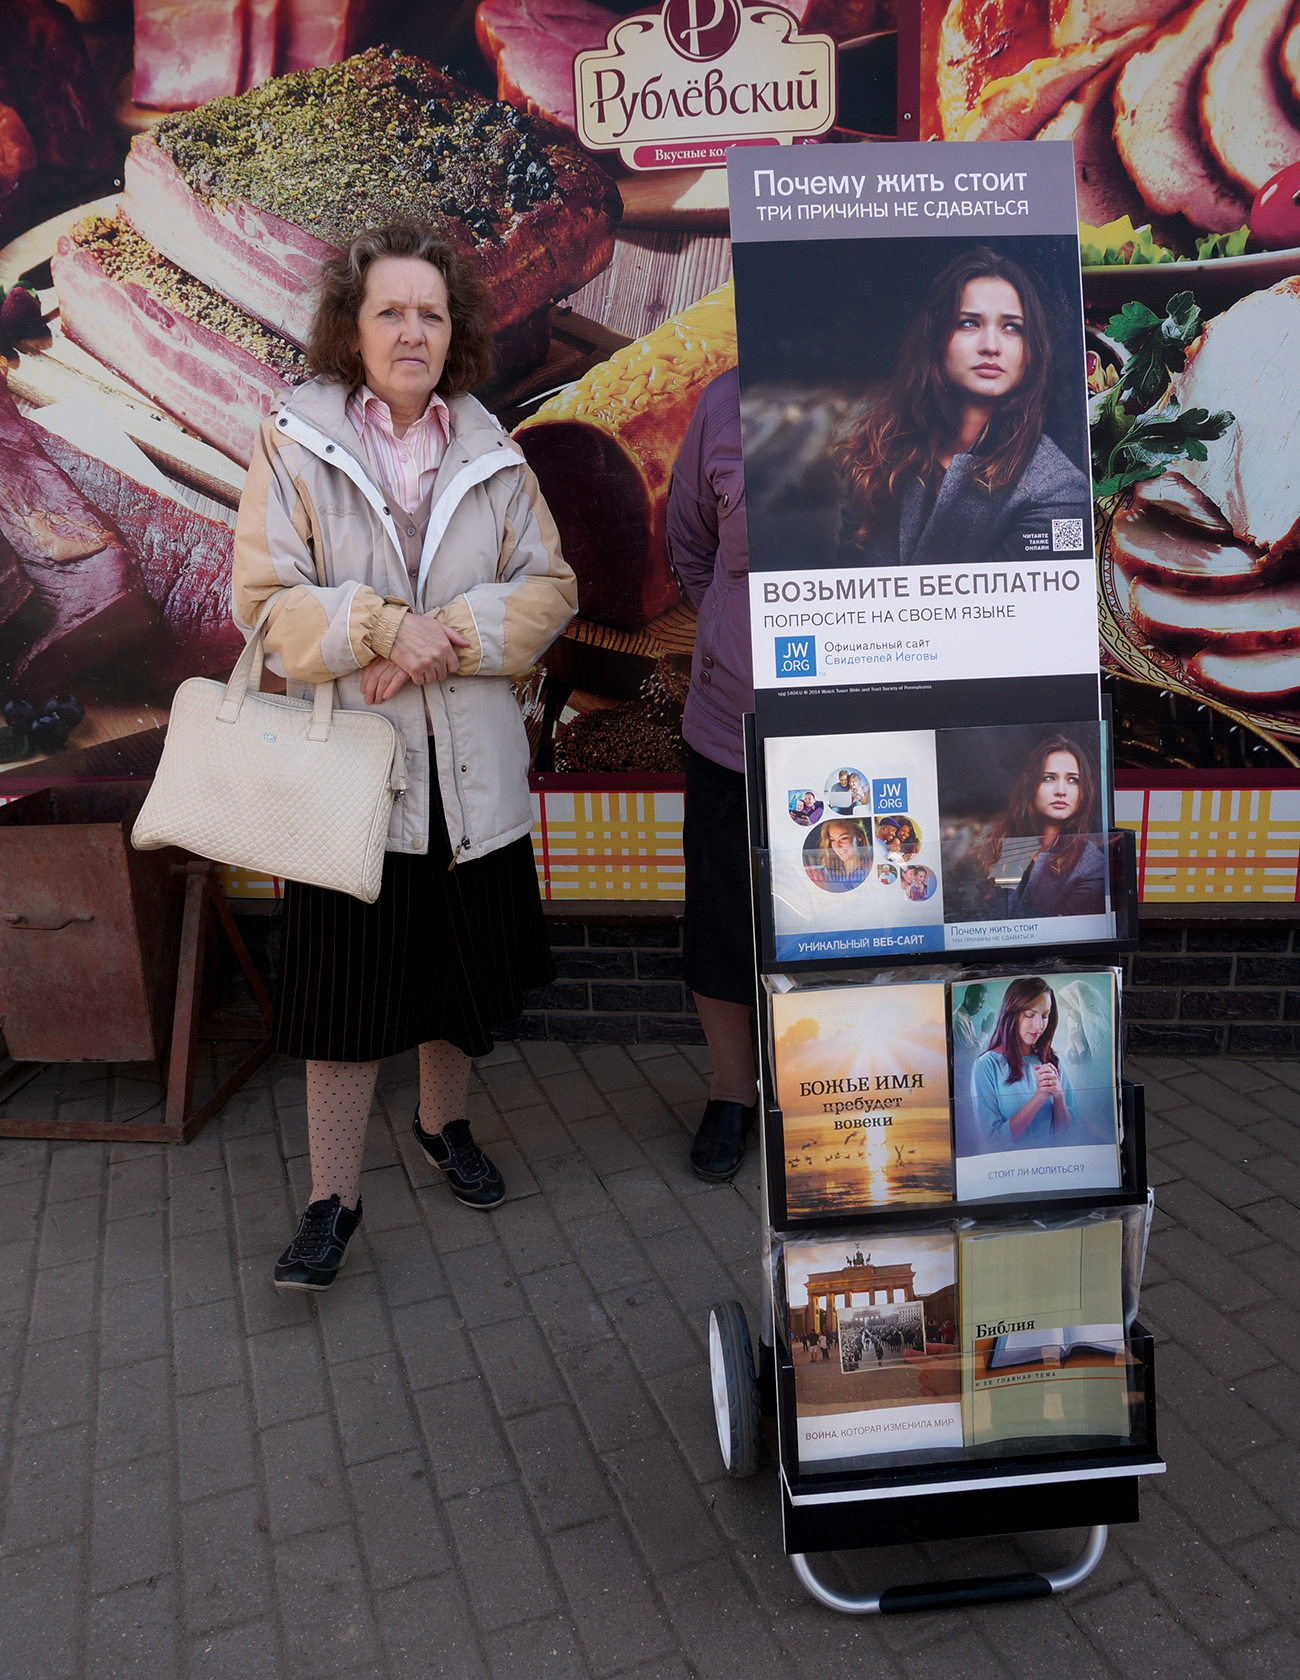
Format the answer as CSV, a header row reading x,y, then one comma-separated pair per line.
x,y
90,929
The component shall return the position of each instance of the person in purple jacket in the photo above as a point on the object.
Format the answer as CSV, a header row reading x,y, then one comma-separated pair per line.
x,y
709,545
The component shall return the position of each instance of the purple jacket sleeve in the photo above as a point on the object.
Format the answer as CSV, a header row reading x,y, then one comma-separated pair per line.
x,y
693,513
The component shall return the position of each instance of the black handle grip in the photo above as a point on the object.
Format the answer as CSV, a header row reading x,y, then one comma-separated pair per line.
x,y
952,1595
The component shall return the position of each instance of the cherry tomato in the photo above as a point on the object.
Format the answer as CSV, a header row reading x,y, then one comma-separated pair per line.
x,y
1275,214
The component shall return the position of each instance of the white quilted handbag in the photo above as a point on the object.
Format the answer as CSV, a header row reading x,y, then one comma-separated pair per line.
x,y
278,786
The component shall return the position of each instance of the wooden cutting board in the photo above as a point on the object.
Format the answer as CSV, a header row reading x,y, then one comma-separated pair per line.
x,y
690,199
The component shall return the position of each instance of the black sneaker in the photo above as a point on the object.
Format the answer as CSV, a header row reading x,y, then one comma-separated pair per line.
x,y
471,1176
313,1258
719,1145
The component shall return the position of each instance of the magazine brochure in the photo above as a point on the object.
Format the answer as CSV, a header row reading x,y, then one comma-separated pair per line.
x,y
1035,1084
1061,1291
936,840
872,1327
862,1085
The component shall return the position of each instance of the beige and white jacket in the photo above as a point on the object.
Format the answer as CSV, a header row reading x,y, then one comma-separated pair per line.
x,y
316,531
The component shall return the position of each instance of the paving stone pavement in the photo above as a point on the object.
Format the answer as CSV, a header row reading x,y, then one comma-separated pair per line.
x,y
489,1449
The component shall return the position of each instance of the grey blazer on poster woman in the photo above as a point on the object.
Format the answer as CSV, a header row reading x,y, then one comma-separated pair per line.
x,y
968,523
1080,891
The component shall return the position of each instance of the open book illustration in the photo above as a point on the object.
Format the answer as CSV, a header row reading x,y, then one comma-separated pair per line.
x,y
1053,1347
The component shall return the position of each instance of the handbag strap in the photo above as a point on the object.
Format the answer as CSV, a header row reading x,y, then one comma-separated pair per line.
x,y
248,670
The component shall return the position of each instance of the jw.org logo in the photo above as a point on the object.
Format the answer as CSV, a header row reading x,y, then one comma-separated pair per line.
x,y
702,29
796,656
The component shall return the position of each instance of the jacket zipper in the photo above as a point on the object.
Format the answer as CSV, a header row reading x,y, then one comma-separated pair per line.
x,y
465,840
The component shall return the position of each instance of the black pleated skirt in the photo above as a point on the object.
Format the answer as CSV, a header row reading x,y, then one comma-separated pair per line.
x,y
718,927
441,954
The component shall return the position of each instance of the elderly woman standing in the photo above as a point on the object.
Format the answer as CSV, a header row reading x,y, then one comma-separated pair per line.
x,y
407,554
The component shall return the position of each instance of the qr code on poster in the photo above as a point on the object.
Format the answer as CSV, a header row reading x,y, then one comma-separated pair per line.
x,y
1067,536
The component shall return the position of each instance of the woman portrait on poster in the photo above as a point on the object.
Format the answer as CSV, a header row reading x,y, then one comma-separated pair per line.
x,y
1020,1092
951,462
837,856
1054,797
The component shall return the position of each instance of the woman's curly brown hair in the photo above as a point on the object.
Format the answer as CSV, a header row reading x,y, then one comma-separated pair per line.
x,y
332,351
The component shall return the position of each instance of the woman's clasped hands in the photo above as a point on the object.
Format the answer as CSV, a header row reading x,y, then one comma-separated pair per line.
x,y
423,651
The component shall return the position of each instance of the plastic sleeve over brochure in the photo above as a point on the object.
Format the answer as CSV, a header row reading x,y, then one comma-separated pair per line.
x,y
961,1341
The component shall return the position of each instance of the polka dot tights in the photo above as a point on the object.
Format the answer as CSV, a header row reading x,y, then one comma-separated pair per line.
x,y
339,1098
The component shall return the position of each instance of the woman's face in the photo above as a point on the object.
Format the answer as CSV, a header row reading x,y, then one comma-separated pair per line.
x,y
1057,799
985,357
842,841
1032,1021
404,330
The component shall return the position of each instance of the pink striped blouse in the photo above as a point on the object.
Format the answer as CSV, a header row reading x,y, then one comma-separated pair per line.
x,y
405,465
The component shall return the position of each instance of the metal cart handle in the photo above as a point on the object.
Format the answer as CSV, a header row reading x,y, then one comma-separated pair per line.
x,y
951,1595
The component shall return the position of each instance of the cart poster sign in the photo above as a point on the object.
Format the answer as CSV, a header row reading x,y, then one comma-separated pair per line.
x,y
923,612
680,86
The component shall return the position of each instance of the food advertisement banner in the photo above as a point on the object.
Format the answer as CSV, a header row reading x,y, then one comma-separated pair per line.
x,y
171,177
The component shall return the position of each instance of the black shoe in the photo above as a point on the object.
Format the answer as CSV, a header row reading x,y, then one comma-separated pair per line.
x,y
471,1176
313,1258
719,1145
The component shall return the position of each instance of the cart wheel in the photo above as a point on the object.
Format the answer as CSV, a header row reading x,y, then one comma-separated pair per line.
x,y
735,1388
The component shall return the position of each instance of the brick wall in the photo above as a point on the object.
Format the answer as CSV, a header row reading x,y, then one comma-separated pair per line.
x,y
1213,991
613,985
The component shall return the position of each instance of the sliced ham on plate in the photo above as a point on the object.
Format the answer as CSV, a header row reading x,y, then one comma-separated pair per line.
x,y
980,40
1261,617
532,44
1015,107
1179,558
1171,494
1249,679
1157,124
1248,361
186,54
1103,188
1074,21
1244,114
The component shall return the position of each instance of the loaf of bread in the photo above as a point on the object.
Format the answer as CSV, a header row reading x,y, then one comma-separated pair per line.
x,y
603,450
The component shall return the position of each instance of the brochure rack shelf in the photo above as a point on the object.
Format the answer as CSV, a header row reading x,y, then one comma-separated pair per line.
x,y
937,1493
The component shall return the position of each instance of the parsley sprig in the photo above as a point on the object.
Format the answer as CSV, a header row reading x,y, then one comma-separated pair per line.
x,y
1137,428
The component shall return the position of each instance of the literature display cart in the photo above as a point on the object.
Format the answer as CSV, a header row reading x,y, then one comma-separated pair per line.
x,y
953,1170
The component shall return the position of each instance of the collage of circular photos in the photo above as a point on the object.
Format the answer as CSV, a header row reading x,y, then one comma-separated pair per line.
x,y
844,849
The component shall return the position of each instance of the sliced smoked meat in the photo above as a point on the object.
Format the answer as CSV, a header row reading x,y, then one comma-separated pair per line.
x,y
1250,679
1158,129
56,92
1247,623
1243,114
316,32
1180,558
1073,21
185,559
210,364
88,600
1017,106
259,43
187,54
531,44
251,194
1171,494
603,450
1247,361
981,41
1101,182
